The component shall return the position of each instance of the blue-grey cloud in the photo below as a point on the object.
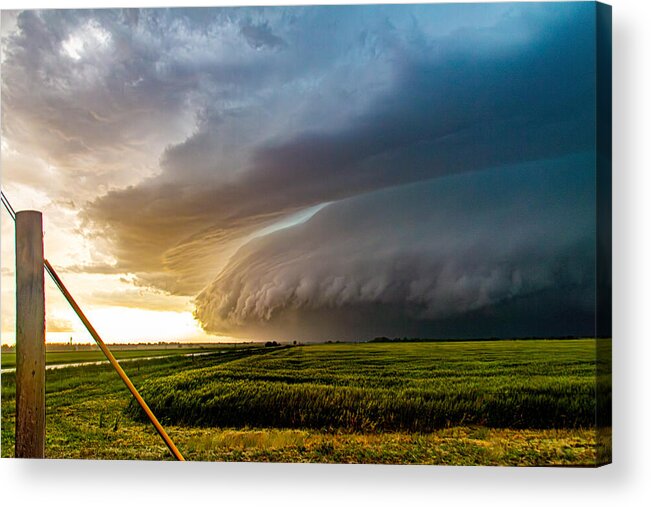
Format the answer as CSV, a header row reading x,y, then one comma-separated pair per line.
x,y
518,90
260,36
403,260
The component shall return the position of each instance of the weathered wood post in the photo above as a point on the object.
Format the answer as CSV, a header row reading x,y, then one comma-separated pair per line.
x,y
30,336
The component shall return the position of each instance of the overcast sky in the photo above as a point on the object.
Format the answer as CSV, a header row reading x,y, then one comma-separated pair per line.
x,y
308,173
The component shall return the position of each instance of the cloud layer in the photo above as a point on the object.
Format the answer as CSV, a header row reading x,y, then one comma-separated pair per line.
x,y
179,135
418,254
420,107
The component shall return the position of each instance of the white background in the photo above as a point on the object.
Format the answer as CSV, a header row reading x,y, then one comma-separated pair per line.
x,y
626,482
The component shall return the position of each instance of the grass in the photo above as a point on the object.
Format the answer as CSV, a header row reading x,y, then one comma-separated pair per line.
x,y
85,409
381,387
88,415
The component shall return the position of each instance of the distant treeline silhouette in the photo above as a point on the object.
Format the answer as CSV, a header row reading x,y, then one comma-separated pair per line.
x,y
386,339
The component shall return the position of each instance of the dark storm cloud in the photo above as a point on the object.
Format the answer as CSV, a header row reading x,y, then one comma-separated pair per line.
x,y
261,36
476,104
200,127
406,259
472,99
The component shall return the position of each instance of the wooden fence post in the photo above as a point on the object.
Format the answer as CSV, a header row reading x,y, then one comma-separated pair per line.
x,y
30,336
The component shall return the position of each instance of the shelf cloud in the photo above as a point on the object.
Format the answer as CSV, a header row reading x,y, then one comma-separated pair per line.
x,y
411,256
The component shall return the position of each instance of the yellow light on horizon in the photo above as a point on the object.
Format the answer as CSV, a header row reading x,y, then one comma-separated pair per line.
x,y
132,325
118,324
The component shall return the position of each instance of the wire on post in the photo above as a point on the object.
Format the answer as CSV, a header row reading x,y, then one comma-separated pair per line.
x,y
8,206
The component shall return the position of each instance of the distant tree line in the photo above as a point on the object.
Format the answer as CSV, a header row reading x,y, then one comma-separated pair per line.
x,y
386,339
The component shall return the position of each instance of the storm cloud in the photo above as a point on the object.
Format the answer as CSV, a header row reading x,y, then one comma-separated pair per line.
x,y
409,257
410,107
199,140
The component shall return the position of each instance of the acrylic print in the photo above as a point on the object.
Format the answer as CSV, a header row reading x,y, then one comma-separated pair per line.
x,y
319,234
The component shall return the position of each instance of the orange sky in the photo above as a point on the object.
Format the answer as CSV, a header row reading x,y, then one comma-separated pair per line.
x,y
119,313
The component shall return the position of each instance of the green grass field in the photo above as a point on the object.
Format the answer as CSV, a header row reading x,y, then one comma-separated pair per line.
x,y
369,387
492,403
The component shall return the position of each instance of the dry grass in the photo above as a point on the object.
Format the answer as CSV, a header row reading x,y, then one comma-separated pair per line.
x,y
452,446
